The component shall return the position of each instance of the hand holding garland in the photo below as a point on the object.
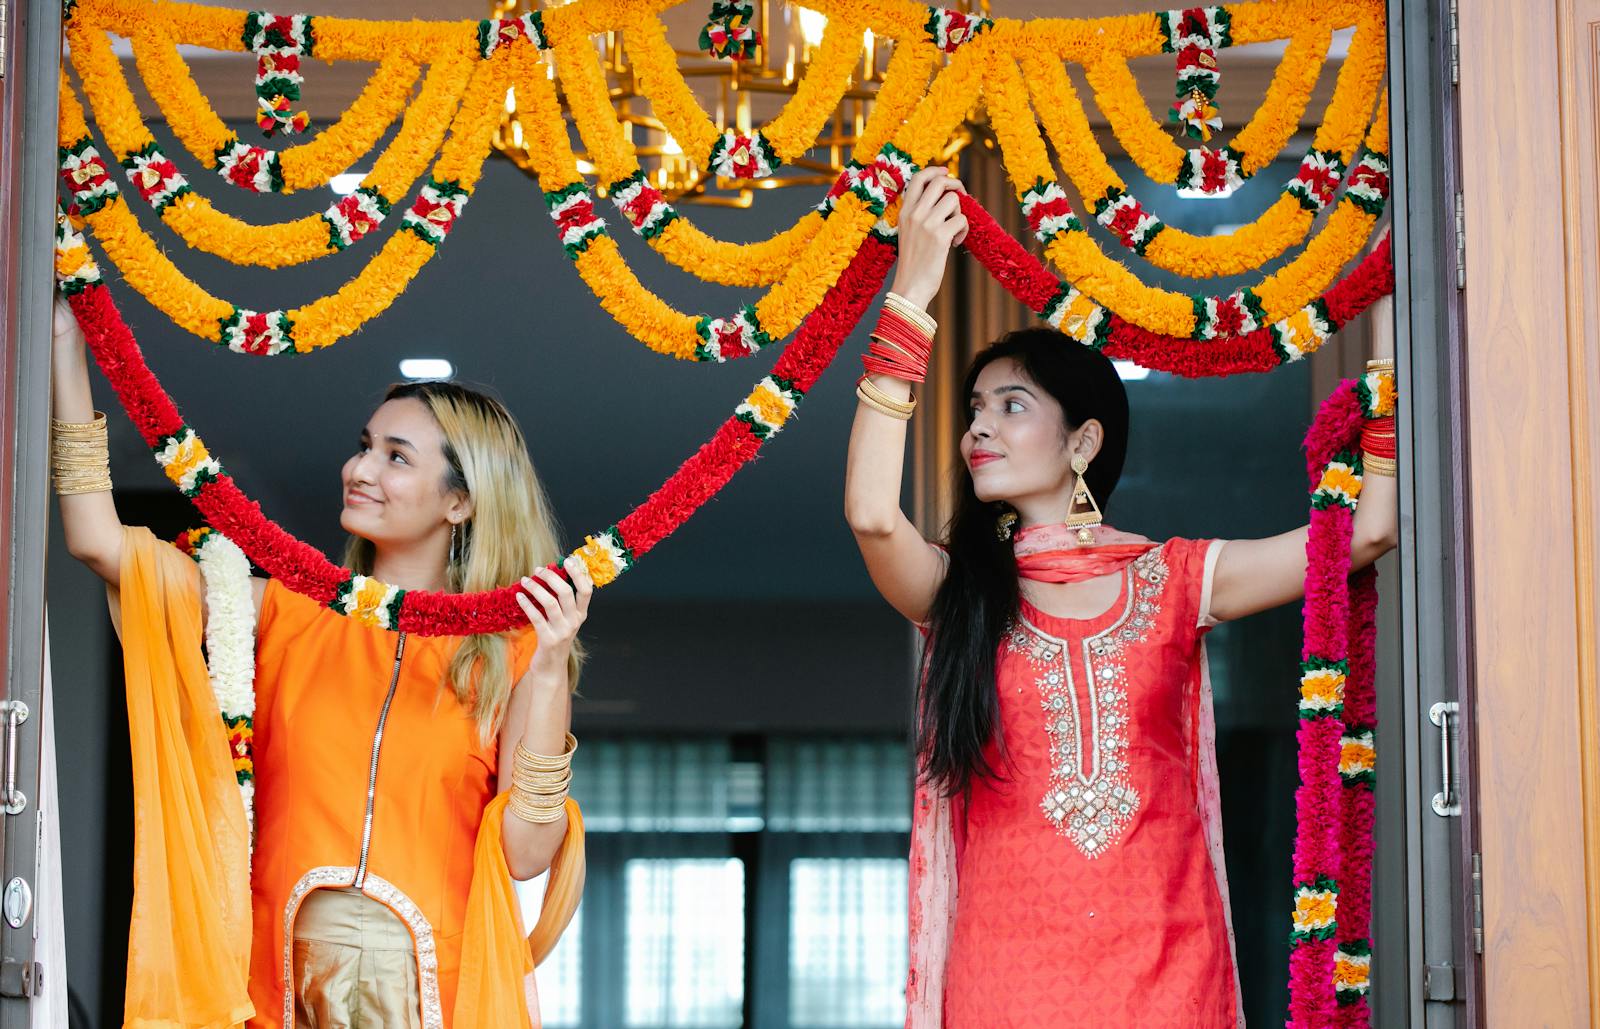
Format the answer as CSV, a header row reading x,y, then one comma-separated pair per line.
x,y
904,567
535,742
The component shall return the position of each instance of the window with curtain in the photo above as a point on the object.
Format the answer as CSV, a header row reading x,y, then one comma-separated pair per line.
x,y
736,882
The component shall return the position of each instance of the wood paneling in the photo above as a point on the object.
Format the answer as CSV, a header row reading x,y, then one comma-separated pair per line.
x,y
1528,156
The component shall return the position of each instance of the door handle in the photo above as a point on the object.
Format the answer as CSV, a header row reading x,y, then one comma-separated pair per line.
x,y
1447,802
15,712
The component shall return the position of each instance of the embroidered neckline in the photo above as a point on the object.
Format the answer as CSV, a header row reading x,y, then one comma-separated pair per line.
x,y
1091,799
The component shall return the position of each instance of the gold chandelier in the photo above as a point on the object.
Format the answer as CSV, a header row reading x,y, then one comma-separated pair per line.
x,y
739,95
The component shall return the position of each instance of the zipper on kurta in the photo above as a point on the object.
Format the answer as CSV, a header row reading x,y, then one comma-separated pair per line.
x,y
372,774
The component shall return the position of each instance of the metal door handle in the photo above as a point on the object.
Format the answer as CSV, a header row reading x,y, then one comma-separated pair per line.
x,y
15,712
1445,714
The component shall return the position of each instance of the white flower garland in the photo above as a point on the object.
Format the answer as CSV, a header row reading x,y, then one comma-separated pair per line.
x,y
231,652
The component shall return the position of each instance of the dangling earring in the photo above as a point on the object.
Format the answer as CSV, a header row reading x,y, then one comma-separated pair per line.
x,y
1084,521
1004,525
455,552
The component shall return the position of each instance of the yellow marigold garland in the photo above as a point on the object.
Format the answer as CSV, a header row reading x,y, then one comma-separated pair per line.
x,y
650,319
204,135
1112,285
330,318
1284,224
203,227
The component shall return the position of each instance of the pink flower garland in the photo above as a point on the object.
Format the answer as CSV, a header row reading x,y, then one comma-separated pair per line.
x,y
1333,840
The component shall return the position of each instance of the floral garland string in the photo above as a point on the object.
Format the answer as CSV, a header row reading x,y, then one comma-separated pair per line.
x,y
1195,34
230,650
1330,956
279,41
345,222
1283,224
1276,297
608,554
325,321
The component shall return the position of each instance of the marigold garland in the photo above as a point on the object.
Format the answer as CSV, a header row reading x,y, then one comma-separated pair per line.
x,y
1113,286
762,414
327,320
1266,347
167,78
1283,224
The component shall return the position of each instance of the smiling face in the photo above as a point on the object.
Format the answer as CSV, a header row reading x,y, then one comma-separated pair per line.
x,y
395,490
1017,447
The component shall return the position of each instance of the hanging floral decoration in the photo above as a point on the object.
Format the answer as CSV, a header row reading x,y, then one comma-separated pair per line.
x,y
1330,954
729,34
279,41
230,649
1195,34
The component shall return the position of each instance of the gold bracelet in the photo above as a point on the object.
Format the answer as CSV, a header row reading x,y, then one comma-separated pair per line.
x,y
1381,364
1378,465
911,312
874,397
536,812
525,758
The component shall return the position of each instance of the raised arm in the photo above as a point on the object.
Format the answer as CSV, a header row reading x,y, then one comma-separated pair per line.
x,y
89,519
906,569
1253,575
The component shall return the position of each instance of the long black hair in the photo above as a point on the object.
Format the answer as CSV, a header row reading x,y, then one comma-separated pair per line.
x,y
979,599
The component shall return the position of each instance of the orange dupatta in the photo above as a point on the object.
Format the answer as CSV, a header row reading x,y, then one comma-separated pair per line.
x,y
189,936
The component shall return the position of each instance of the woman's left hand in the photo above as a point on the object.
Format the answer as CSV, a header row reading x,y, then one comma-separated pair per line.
x,y
556,609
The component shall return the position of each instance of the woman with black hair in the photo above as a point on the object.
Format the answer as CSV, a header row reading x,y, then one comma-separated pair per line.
x,y
1066,857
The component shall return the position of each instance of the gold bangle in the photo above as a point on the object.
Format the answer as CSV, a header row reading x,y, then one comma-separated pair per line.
x,y
80,456
911,312
536,812
871,394
899,416
1381,364
1385,466
879,394
525,758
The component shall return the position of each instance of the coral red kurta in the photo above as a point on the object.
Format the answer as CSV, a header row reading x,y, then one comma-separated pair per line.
x,y
1088,894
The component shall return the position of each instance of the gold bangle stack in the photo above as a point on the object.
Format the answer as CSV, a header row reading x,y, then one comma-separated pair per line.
x,y
1372,464
911,313
539,784
871,394
80,456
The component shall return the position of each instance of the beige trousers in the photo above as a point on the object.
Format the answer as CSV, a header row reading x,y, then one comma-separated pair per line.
x,y
355,966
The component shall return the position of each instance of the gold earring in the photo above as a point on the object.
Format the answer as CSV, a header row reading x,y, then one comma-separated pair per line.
x,y
1085,521
455,555
1004,525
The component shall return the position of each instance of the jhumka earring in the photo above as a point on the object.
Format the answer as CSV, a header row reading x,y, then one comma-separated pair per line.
x,y
1085,521
1004,525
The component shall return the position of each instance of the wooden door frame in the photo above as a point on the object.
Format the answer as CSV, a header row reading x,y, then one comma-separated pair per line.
x,y
1531,382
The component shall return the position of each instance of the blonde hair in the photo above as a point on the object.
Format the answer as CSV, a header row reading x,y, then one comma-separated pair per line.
x,y
510,533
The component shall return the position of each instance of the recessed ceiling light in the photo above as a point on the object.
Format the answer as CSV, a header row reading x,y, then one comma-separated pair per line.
x,y
346,184
1130,372
417,368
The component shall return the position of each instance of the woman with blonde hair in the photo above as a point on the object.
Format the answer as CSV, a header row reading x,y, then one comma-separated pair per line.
x,y
388,766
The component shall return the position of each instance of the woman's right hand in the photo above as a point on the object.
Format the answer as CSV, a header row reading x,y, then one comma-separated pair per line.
x,y
65,329
931,223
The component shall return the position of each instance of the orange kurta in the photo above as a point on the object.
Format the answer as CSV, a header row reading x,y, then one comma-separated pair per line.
x,y
321,681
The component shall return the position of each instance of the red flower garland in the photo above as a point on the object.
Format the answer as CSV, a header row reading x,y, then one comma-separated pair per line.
x,y
303,569
1334,812
1025,277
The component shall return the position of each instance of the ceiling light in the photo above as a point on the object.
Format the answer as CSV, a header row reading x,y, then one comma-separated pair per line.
x,y
417,368
346,183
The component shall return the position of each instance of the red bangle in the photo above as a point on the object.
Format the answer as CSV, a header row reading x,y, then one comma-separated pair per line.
x,y
1377,437
899,348
896,329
